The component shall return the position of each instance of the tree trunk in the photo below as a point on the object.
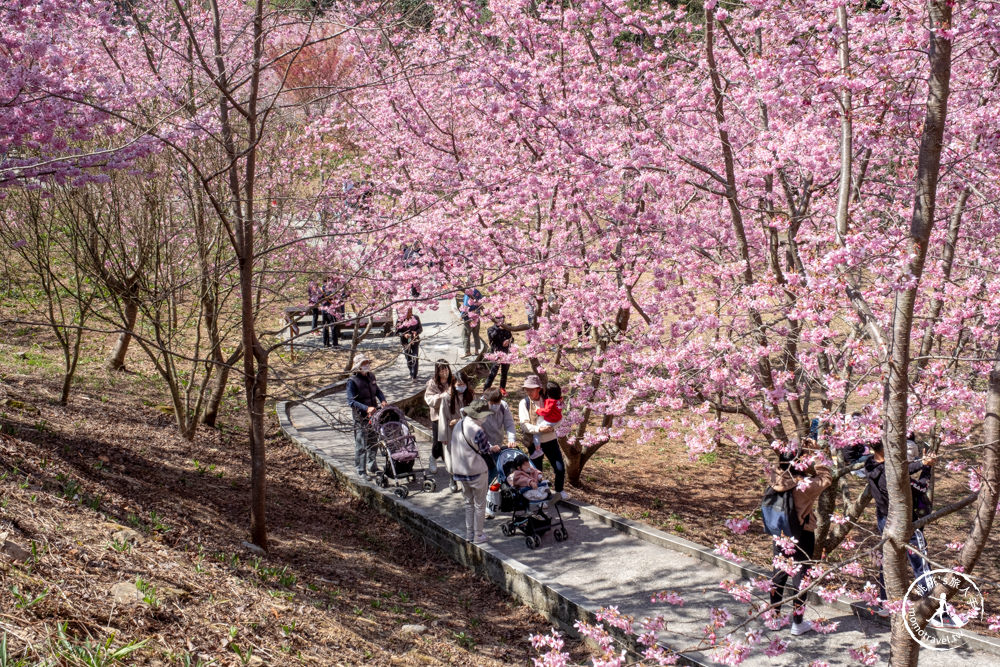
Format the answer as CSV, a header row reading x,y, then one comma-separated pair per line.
x,y
117,360
846,128
219,390
947,261
903,650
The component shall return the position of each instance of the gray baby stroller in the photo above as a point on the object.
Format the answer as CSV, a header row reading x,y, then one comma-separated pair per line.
x,y
528,517
396,445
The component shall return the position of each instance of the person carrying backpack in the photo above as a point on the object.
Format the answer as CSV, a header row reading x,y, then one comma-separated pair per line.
x,y
788,511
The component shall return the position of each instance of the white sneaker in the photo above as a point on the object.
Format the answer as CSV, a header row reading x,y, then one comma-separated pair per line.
x,y
480,539
802,628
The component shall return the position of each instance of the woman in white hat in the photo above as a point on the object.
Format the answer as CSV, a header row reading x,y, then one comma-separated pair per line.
x,y
527,415
364,397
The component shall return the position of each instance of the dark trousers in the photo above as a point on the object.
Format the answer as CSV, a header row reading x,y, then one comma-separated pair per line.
x,y
315,314
364,441
412,354
437,448
803,553
497,366
552,452
330,330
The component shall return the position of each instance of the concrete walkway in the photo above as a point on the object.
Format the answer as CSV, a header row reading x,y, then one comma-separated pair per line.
x,y
606,560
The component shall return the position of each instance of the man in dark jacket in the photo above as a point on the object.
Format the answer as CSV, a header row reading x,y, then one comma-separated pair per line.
x,y
364,397
500,338
875,472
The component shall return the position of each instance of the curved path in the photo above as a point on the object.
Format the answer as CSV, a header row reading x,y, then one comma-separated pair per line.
x,y
606,561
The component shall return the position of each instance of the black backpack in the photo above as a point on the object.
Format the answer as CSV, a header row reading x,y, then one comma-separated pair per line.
x,y
778,511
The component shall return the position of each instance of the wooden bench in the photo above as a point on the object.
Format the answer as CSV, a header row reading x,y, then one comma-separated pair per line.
x,y
379,322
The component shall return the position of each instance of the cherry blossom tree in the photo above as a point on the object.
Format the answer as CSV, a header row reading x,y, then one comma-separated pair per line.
x,y
733,202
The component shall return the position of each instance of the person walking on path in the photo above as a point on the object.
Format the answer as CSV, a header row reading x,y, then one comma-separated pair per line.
x,y
471,303
499,427
806,487
467,448
409,330
500,339
527,414
436,392
364,397
459,395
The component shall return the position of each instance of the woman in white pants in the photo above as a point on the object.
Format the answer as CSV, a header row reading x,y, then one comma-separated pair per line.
x,y
467,448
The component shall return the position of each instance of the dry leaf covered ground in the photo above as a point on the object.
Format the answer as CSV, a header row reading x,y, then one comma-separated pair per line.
x,y
118,531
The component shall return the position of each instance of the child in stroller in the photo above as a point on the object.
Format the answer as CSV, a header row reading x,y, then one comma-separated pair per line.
x,y
397,446
528,516
529,482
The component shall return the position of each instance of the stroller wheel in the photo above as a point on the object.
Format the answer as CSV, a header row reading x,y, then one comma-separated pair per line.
x,y
537,540
381,480
430,486
530,541
560,534
401,492
507,529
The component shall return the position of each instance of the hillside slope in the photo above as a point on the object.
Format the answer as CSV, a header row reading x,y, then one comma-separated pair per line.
x,y
116,531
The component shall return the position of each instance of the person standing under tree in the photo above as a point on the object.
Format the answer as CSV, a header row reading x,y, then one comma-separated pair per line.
x,y
500,339
315,294
331,305
471,303
499,427
459,395
875,471
467,447
364,397
437,391
806,486
409,330
527,414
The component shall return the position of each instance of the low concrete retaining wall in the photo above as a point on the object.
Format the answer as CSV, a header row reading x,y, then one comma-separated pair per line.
x,y
560,606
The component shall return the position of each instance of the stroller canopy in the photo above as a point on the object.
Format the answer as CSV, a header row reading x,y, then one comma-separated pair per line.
x,y
389,413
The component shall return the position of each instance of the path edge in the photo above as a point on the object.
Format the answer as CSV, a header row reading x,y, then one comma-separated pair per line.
x,y
520,581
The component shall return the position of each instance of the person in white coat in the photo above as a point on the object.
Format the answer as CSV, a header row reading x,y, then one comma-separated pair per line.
x,y
437,391
466,451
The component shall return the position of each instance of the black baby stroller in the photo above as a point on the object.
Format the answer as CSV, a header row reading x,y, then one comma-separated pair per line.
x,y
396,445
528,517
